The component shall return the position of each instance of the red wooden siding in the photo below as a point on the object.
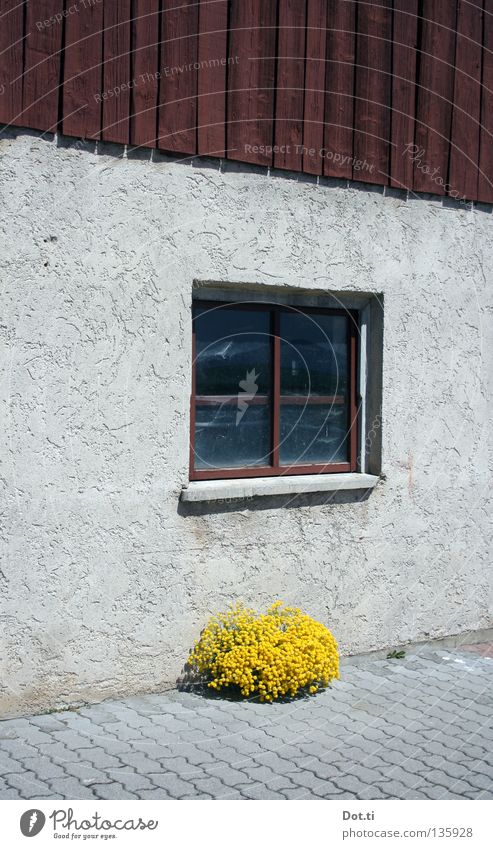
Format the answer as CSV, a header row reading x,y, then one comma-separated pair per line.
x,y
178,77
404,65
251,80
464,148
290,85
11,61
339,110
83,78
212,81
117,72
314,106
435,96
485,179
145,81
41,78
395,92
373,88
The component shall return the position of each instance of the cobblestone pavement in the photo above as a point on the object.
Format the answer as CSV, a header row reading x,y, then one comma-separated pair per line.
x,y
417,728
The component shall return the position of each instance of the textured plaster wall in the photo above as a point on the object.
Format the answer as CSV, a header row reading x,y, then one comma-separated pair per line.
x,y
106,578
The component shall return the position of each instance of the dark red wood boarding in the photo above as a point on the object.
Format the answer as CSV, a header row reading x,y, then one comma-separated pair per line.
x,y
212,77
117,72
404,64
178,80
314,107
342,88
372,93
464,148
145,53
485,177
339,84
290,84
83,73
251,82
435,96
11,60
42,63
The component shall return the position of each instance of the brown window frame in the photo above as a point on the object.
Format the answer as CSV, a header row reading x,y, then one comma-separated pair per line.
x,y
275,469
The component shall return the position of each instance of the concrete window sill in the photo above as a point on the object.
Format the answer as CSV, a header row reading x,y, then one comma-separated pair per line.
x,y
218,490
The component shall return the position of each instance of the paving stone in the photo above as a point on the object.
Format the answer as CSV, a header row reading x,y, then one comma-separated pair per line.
x,y
8,764
159,793
100,758
9,793
173,784
43,768
69,788
416,729
352,784
26,782
131,781
86,772
228,775
260,791
112,791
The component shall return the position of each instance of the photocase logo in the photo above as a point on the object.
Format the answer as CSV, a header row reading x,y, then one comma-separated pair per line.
x,y
32,822
250,389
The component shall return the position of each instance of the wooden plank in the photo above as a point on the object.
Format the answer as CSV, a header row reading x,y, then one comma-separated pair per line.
x,y
404,64
11,60
178,81
144,94
485,178
435,95
314,110
339,99
290,85
373,93
83,77
42,63
117,73
212,77
251,80
464,147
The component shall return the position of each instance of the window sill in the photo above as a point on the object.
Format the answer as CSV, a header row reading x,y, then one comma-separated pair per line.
x,y
217,490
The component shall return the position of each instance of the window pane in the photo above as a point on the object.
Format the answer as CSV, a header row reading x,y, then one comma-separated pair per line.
x,y
229,436
315,433
231,346
314,357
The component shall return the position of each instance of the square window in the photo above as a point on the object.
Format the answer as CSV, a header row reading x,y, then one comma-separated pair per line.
x,y
274,390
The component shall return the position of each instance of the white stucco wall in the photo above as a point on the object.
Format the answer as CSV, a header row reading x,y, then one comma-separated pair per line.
x,y
106,578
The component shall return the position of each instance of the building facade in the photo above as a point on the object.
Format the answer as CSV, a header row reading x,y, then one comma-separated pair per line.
x,y
113,556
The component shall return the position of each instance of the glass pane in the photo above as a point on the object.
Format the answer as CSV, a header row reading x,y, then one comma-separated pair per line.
x,y
315,433
229,436
314,356
231,346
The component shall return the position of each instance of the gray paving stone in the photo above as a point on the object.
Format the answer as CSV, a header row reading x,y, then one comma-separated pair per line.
x,y
101,759
27,783
112,791
69,788
159,793
260,791
173,784
8,764
130,780
415,729
228,775
86,772
43,768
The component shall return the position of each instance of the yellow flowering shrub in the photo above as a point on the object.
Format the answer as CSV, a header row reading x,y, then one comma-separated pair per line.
x,y
269,655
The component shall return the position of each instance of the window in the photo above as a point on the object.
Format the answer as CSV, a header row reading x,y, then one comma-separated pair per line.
x,y
273,390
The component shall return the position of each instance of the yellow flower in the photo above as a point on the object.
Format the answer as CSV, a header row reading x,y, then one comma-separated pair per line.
x,y
269,655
